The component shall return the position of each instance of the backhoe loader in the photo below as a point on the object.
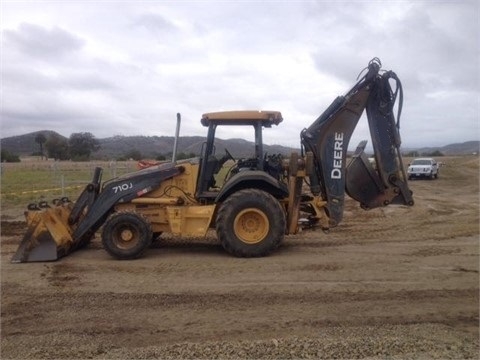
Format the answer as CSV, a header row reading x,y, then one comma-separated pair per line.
x,y
262,198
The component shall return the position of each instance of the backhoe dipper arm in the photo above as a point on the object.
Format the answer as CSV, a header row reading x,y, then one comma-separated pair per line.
x,y
328,138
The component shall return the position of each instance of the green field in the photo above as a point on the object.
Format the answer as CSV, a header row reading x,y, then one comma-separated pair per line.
x,y
24,183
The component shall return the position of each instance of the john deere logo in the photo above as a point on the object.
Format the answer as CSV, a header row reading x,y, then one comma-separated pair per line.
x,y
337,156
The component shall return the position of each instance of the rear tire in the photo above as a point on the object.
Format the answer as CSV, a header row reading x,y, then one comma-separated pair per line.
x,y
250,223
126,235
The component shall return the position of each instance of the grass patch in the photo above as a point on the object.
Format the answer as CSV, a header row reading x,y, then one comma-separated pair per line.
x,y
23,183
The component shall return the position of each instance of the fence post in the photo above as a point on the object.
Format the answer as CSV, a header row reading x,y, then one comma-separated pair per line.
x,y
113,169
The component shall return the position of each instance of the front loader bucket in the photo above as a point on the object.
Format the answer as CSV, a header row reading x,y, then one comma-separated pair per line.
x,y
48,235
50,229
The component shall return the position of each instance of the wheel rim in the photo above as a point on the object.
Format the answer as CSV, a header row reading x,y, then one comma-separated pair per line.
x,y
251,225
126,237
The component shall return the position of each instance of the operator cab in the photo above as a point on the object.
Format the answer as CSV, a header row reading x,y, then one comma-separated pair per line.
x,y
210,165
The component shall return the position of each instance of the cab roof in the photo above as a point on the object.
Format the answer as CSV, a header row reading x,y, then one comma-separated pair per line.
x,y
242,117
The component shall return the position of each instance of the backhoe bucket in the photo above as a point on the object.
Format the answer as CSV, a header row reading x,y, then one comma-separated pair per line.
x,y
48,235
364,182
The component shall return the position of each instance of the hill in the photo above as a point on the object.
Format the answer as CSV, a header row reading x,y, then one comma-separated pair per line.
x,y
148,146
152,146
465,148
24,144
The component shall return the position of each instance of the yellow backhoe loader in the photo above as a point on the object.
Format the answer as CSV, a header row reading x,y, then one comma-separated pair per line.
x,y
262,198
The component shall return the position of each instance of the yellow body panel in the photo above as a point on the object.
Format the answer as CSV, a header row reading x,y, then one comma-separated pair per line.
x,y
172,206
190,220
181,186
181,220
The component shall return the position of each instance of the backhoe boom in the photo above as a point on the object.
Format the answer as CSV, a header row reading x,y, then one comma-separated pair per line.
x,y
328,139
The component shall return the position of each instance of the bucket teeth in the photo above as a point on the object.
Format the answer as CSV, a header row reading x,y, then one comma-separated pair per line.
x,y
33,207
63,200
43,205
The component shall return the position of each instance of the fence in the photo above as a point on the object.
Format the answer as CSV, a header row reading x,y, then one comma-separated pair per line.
x,y
33,181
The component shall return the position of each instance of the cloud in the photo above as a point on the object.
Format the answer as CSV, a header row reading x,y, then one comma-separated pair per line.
x,y
121,68
154,24
41,43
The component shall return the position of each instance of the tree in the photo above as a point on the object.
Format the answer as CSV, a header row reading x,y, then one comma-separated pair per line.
x,y
182,155
130,155
435,153
40,139
7,156
82,145
133,154
57,147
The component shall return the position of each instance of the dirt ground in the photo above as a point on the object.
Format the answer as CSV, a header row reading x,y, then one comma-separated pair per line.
x,y
393,283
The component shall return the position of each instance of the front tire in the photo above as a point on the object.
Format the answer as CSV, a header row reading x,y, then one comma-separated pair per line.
x,y
126,235
250,223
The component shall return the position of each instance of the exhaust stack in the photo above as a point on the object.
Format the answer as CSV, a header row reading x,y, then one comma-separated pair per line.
x,y
175,144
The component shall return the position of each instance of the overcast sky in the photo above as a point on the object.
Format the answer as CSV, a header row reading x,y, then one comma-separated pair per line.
x,y
127,67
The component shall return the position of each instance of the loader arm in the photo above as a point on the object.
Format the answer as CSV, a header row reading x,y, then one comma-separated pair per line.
x,y
328,138
53,232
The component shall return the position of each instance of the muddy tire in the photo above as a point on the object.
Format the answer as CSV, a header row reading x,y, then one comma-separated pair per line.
x,y
250,223
126,235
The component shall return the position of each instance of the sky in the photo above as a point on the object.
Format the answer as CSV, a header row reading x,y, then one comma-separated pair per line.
x,y
128,67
